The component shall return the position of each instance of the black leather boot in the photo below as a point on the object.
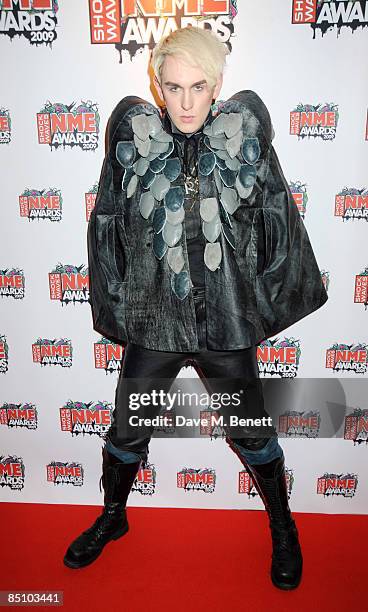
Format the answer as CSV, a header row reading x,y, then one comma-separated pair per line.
x,y
117,480
287,560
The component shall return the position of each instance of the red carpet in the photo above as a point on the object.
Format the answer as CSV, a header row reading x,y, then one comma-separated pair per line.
x,y
187,560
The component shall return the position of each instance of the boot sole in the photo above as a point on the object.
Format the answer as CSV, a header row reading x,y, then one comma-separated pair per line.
x,y
75,565
285,585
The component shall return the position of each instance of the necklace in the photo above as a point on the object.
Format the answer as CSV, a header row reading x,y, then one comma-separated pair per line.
x,y
191,189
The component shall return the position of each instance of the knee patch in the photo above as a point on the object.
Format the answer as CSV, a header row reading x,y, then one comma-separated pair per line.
x,y
262,450
127,456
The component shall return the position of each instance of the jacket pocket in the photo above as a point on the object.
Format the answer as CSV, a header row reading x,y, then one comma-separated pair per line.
x,y
111,319
263,240
122,249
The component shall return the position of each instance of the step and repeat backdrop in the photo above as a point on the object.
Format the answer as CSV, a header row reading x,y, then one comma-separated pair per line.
x,y
65,65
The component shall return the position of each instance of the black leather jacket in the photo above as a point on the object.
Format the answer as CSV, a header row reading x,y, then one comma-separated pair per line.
x,y
261,275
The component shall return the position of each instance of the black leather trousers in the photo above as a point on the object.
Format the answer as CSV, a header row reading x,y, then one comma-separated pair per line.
x,y
148,365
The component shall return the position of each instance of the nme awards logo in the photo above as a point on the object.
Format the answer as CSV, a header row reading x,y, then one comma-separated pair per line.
x,y
167,421
69,284
361,288
246,483
53,352
210,424
349,358
352,203
317,121
34,19
356,426
337,484
45,204
19,415
5,126
325,276
59,125
132,25
90,200
145,482
12,283
12,472
108,355
279,358
86,418
191,479
65,473
299,193
324,15
300,424
4,355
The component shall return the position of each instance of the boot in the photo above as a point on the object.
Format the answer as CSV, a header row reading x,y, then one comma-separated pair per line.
x,y
287,560
117,480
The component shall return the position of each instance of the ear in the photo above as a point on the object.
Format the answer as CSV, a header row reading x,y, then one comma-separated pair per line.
x,y
158,87
218,86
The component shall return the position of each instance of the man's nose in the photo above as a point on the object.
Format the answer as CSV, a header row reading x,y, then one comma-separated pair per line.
x,y
186,101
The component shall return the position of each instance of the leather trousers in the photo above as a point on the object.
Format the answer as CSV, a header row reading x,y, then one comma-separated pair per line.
x,y
148,365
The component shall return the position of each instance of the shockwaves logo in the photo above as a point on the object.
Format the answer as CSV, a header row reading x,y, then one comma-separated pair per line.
x,y
4,355
347,358
59,473
145,481
12,472
12,283
352,203
201,479
19,415
69,284
132,25
279,358
299,193
53,352
300,424
90,200
325,276
317,121
34,19
44,204
361,288
356,426
324,15
86,418
337,484
59,125
108,355
5,126
246,483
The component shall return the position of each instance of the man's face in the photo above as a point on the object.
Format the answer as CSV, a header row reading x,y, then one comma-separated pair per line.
x,y
186,93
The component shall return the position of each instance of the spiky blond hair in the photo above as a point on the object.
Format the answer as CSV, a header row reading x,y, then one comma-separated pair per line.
x,y
197,47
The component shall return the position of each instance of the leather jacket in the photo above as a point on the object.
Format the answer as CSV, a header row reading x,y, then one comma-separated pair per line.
x,y
261,275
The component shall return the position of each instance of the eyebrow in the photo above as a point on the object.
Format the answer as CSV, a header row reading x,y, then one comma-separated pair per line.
x,y
171,84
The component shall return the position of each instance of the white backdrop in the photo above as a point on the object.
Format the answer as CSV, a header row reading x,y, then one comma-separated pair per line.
x,y
287,67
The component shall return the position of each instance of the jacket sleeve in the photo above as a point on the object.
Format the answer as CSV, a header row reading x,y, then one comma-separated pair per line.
x,y
106,262
106,239
291,285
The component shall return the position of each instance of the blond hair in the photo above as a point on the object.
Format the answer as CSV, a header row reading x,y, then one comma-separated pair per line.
x,y
198,47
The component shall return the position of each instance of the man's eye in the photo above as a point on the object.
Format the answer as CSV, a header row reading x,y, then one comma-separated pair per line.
x,y
173,88
198,87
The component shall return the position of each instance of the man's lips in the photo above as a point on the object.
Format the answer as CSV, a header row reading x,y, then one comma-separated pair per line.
x,y
187,118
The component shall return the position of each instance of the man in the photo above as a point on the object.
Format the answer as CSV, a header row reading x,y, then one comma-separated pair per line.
x,y
197,253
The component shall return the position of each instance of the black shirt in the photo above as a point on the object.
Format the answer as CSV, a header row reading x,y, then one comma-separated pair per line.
x,y
187,150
